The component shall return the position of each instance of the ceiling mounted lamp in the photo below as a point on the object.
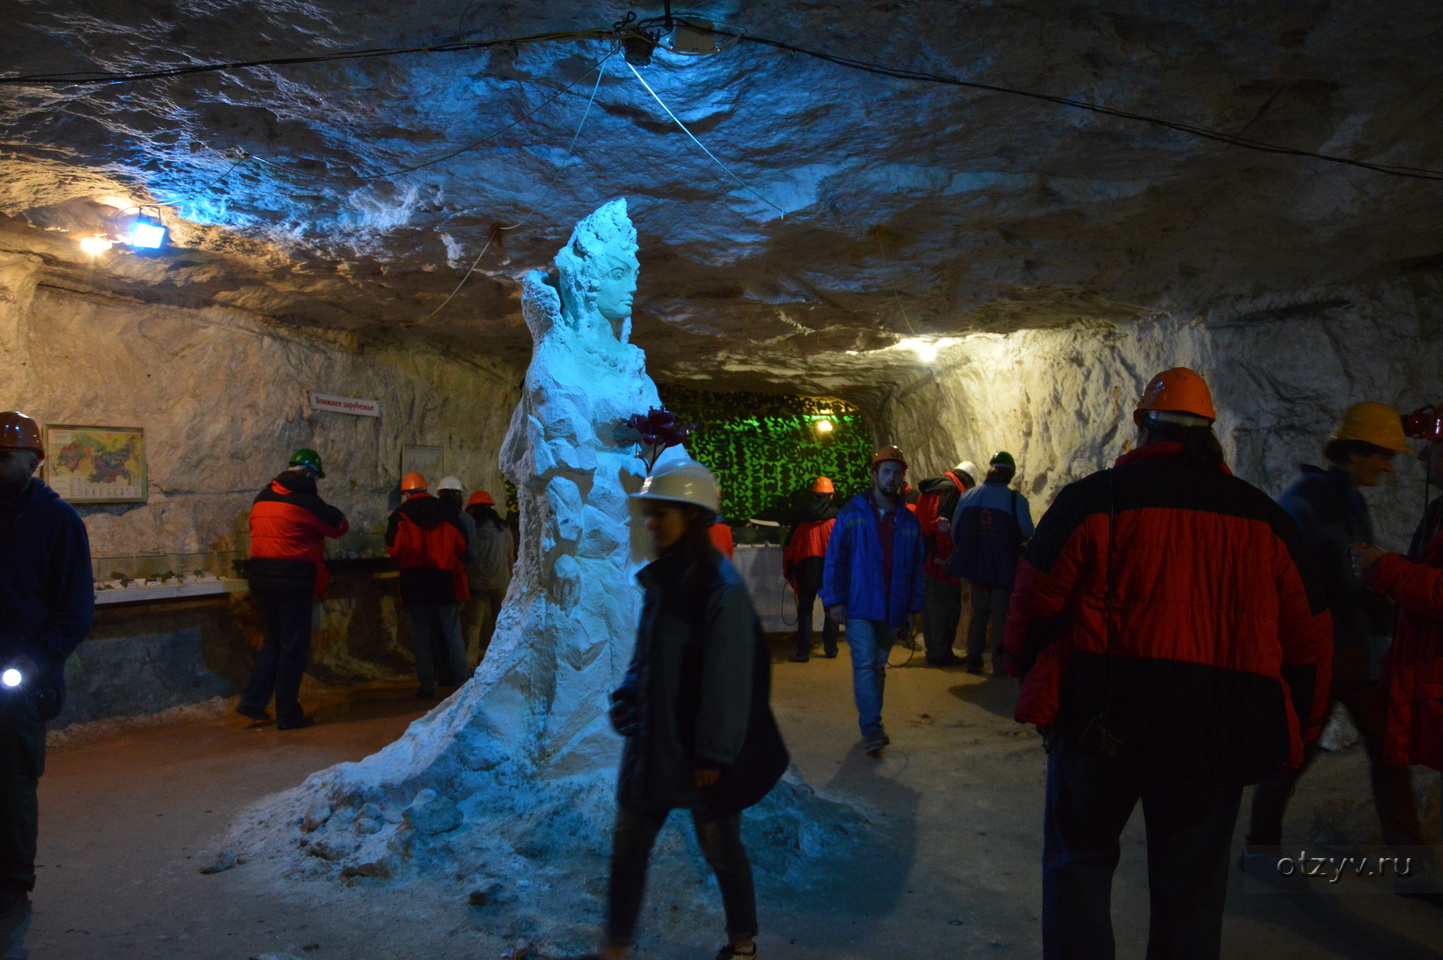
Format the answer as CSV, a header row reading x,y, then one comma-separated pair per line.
x,y
147,232
824,426
96,244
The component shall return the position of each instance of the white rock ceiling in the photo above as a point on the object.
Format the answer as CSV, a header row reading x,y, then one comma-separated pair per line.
x,y
911,208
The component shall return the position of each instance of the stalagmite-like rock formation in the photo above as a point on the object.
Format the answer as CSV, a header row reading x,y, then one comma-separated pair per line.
x,y
507,786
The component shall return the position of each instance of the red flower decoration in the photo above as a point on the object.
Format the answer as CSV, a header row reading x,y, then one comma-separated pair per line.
x,y
655,430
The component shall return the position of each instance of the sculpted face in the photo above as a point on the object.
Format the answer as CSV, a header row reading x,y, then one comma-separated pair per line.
x,y
617,284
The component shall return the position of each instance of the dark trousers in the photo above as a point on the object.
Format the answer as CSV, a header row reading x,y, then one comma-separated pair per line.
x,y
283,657
989,619
1189,839
1392,786
941,612
22,761
436,641
806,599
721,843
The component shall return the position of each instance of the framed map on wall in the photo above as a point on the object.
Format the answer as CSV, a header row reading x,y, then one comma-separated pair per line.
x,y
96,464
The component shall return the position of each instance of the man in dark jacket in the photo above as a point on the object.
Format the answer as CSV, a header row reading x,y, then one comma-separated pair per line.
x,y
1331,516
872,582
287,571
47,598
989,528
428,540
943,610
803,554
1161,668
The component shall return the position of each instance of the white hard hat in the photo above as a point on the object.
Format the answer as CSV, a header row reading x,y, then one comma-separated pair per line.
x,y
974,473
450,483
682,481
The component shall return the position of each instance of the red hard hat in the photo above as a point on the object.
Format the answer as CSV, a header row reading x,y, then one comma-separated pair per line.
x,y
413,482
481,497
19,432
1178,390
888,452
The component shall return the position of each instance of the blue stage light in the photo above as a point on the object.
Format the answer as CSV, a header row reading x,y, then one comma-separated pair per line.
x,y
147,232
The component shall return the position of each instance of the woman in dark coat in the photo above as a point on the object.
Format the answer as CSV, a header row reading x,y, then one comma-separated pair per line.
x,y
694,709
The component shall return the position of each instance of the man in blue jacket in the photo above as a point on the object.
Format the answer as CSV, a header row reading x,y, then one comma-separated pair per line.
x,y
990,526
872,582
47,599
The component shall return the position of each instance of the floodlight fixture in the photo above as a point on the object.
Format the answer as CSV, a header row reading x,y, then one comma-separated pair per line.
x,y
147,232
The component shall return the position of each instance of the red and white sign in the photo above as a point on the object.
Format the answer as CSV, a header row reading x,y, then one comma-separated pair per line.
x,y
356,408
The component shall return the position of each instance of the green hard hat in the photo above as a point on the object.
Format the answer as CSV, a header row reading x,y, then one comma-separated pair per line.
x,y
1002,459
306,457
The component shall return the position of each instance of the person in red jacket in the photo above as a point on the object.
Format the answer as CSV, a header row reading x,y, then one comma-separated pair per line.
x,y
428,539
287,571
943,609
1413,670
803,554
1174,646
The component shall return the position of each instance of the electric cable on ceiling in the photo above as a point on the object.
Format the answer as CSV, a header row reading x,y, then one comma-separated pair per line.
x,y
746,186
498,230
445,156
645,29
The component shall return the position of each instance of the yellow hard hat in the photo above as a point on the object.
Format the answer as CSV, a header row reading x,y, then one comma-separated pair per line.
x,y
1375,423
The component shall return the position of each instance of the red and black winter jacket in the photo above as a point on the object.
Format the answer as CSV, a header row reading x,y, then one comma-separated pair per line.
x,y
427,538
1413,671
938,499
289,526
1221,643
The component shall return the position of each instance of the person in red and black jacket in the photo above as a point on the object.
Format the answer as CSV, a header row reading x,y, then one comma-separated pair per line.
x,y
803,555
1413,670
427,537
287,571
1174,645
943,607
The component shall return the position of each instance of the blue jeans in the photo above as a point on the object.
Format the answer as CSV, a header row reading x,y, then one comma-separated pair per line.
x,y
438,626
870,641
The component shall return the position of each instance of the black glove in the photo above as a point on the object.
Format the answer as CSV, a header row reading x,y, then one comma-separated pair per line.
x,y
624,718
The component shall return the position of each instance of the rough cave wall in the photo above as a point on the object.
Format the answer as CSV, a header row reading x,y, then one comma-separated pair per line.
x,y
222,396
1282,370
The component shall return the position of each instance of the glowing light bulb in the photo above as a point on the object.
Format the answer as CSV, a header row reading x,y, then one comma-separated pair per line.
x,y
11,677
824,426
95,245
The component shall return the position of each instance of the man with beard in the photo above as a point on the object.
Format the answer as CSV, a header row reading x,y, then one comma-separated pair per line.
x,y
872,582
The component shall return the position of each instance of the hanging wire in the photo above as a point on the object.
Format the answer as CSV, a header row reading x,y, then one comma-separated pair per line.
x,y
446,156
704,150
632,28
498,230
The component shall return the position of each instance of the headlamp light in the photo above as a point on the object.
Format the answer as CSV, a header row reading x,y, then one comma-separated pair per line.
x,y
11,677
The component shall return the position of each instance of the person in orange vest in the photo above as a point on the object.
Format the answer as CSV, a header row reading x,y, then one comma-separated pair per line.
x,y
943,609
803,555
427,538
721,534
289,525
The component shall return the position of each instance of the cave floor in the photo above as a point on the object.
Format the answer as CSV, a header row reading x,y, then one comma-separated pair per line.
x,y
129,817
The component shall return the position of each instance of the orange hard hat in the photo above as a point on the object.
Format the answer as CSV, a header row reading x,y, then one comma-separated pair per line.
x,y
1176,391
888,452
481,497
823,485
19,432
413,482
